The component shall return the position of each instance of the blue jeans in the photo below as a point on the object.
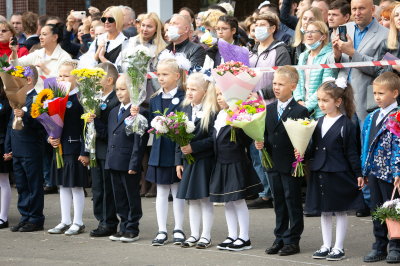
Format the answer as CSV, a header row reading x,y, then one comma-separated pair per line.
x,y
365,190
256,159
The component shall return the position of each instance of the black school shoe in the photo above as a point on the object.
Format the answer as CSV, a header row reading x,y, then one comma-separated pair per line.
x,y
375,256
363,212
203,245
274,249
117,236
240,247
4,224
160,242
393,256
336,254
289,249
179,241
259,203
16,228
322,253
30,227
129,237
223,245
103,231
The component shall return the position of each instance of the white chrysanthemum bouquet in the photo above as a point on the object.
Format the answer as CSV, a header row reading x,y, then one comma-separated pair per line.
x,y
176,127
389,213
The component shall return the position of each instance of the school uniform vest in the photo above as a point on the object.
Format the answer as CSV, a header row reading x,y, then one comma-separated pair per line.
x,y
329,153
112,55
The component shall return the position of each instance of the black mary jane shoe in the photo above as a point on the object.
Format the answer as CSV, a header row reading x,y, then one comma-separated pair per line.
x,y
223,245
244,246
160,242
179,241
203,245
188,244
4,224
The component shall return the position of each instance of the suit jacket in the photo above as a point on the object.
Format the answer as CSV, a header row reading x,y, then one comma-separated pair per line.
x,y
276,139
101,143
130,32
202,144
28,43
27,142
163,150
124,152
361,77
5,114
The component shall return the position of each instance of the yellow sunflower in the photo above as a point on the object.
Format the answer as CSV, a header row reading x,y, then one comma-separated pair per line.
x,y
44,95
35,111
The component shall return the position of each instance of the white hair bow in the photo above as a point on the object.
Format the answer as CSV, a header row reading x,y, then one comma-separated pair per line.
x,y
263,4
340,82
180,58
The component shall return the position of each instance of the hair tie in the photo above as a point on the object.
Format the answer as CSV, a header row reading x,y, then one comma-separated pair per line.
x,y
180,58
206,73
340,82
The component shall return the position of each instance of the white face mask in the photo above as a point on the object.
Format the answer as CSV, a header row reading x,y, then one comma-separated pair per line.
x,y
262,33
173,33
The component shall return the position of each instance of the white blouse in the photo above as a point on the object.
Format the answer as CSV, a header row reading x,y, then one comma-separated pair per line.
x,y
220,122
328,123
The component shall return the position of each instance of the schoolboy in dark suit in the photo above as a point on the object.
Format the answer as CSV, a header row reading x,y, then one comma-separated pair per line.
x,y
26,147
286,189
124,159
103,195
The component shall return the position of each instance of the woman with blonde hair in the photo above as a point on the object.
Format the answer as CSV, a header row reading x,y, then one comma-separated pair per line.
x,y
391,44
297,45
210,20
316,38
108,46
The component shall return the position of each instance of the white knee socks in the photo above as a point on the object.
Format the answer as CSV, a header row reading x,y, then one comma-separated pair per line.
x,y
66,195
196,209
341,228
162,208
243,218
194,218
5,196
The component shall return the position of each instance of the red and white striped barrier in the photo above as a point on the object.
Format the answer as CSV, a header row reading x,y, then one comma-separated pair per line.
x,y
320,66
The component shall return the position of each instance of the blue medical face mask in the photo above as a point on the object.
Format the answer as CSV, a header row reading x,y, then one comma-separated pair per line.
x,y
302,30
314,45
262,33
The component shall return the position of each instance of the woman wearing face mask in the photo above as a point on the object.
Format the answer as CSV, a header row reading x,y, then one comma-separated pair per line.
x,y
108,46
210,21
297,45
268,52
227,30
318,50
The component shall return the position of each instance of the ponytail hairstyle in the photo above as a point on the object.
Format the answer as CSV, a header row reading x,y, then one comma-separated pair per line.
x,y
210,106
58,29
234,24
172,64
333,90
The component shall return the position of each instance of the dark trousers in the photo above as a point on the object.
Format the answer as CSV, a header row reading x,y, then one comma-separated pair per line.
x,y
127,200
103,196
29,180
47,158
286,191
381,191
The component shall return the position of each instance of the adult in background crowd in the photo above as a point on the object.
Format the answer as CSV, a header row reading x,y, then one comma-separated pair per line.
x,y
385,3
297,46
187,12
290,19
128,27
279,34
16,20
108,46
48,59
7,32
377,13
339,14
385,16
323,6
42,19
178,33
79,47
318,51
364,36
29,23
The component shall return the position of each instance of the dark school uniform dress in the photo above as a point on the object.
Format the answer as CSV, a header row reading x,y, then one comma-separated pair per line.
x,y
285,188
103,195
5,114
73,174
332,186
195,183
233,177
27,147
124,153
161,169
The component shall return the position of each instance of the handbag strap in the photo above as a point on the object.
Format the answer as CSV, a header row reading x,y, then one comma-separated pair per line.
x,y
394,191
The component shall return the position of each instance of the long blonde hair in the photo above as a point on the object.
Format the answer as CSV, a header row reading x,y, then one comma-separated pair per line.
x,y
298,35
210,18
210,104
117,14
392,41
174,67
158,39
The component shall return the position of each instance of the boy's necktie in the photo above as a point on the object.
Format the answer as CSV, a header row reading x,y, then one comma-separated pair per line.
x,y
280,112
120,113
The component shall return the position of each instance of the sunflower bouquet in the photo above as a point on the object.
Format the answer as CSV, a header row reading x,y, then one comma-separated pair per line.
x,y
91,92
14,79
49,109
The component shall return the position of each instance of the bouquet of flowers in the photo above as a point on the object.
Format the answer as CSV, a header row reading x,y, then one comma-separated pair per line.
x,y
49,108
231,52
91,93
389,212
229,6
300,132
14,79
136,69
250,116
176,127
208,39
394,123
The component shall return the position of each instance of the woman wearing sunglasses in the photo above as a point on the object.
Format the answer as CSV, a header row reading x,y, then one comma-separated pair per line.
x,y
7,32
108,46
